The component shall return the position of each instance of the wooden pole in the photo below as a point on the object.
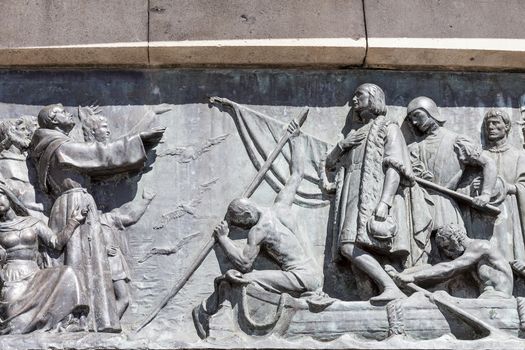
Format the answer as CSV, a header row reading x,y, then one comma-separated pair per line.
x,y
490,209
205,250
466,316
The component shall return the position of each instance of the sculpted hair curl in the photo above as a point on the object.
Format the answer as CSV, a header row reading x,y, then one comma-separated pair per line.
x,y
377,101
450,232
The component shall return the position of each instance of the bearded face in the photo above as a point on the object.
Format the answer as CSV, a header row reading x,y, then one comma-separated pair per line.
x,y
20,134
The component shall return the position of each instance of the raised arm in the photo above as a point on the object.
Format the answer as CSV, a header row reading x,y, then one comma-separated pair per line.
x,y
287,194
58,240
242,259
131,212
96,158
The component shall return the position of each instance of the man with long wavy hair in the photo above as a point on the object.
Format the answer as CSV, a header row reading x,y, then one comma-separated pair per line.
x,y
373,216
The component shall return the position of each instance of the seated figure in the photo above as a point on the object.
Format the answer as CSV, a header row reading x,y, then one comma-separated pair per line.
x,y
32,298
493,271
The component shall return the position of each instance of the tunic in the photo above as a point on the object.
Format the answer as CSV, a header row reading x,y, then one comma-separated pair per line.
x,y
112,228
64,169
445,154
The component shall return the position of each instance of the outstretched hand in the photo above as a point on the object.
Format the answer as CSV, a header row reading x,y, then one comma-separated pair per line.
x,y
152,136
236,277
147,195
216,99
426,175
518,266
400,278
403,278
112,250
381,211
80,215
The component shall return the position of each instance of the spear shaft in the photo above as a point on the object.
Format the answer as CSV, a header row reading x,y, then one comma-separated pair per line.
x,y
205,250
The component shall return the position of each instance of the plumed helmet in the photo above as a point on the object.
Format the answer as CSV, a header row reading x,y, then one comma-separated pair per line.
x,y
428,105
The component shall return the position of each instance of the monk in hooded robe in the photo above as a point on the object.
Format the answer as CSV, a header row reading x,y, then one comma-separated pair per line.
x,y
64,169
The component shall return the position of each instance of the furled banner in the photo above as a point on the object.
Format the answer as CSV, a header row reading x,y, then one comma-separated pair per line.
x,y
260,133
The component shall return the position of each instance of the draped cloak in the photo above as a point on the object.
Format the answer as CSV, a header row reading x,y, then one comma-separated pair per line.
x,y
16,173
32,298
259,134
64,168
360,187
445,154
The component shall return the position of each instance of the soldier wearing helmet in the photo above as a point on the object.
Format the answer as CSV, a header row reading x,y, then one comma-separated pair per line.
x,y
441,156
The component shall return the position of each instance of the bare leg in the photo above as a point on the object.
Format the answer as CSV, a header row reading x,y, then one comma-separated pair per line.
x,y
368,264
122,296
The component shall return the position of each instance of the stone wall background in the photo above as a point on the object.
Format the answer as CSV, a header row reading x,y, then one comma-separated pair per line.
x,y
408,34
193,190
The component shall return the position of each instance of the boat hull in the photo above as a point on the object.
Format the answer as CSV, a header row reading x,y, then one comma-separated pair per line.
x,y
259,313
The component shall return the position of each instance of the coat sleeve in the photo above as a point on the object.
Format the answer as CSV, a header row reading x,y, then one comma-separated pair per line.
x,y
396,153
96,158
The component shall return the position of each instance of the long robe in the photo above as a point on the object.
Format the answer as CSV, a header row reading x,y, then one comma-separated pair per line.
x,y
64,169
445,154
507,231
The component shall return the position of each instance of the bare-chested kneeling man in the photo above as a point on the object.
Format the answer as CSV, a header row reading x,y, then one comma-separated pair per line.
x,y
274,229
493,271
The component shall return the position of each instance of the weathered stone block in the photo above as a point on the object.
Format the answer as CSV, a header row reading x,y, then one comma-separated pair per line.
x,y
74,32
456,34
265,32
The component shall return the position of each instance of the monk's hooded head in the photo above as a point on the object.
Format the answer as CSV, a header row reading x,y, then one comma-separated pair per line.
x,y
55,117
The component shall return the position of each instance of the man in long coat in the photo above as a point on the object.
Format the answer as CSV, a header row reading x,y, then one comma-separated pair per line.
x,y
375,220
64,168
